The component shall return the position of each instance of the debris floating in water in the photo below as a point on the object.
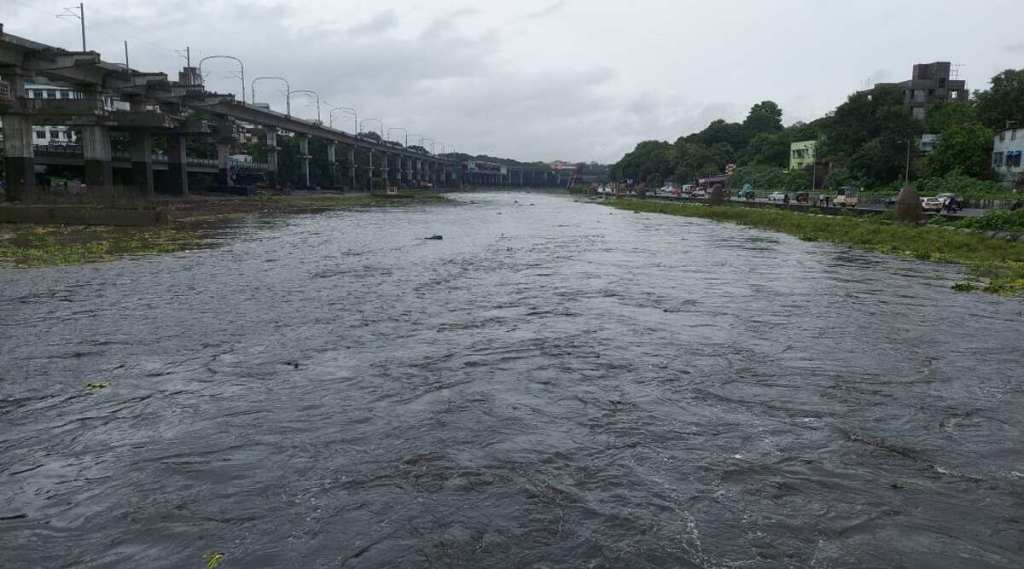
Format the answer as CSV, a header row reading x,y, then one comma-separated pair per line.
x,y
94,387
213,559
434,238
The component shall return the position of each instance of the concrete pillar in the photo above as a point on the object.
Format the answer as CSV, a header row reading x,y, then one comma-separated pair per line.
x,y
304,157
141,150
370,171
99,172
272,153
176,182
332,162
19,161
352,165
224,164
384,171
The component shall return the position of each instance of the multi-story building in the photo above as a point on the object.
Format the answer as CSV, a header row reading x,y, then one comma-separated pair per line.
x,y
44,135
802,154
1007,148
931,84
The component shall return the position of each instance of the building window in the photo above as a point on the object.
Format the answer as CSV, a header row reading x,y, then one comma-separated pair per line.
x,y
41,135
52,93
1002,136
65,94
1013,135
1013,159
997,159
55,134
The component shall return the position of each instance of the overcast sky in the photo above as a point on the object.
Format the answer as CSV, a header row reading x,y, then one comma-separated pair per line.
x,y
548,79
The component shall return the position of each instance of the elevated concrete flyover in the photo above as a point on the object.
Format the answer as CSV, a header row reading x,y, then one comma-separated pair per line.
x,y
149,105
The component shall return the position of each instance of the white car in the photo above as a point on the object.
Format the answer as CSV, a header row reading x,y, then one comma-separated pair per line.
x,y
776,197
932,204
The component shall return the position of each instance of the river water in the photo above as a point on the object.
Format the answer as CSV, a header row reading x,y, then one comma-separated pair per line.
x,y
555,384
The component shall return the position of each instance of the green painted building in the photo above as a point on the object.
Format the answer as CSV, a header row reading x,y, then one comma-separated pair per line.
x,y
802,154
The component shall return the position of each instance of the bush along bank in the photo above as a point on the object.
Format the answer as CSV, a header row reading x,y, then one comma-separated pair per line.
x,y
994,265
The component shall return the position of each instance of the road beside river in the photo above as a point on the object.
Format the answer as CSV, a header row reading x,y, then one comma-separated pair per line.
x,y
553,384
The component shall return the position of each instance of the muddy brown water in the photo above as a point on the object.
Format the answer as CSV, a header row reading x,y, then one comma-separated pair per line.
x,y
554,384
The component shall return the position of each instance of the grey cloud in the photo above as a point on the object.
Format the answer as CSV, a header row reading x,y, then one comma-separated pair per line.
x,y
479,76
548,10
381,22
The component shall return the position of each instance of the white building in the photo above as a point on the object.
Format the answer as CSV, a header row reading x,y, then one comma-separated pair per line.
x,y
45,135
1006,153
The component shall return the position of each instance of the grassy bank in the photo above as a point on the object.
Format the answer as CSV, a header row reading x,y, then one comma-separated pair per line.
x,y
996,265
194,223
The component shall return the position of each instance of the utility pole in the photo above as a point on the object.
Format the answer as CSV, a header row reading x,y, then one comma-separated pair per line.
x,y
126,66
906,178
80,16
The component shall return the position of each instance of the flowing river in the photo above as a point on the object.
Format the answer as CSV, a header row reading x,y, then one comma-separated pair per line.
x,y
555,384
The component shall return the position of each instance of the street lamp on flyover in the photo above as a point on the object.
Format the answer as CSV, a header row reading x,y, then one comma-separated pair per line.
x,y
232,58
364,121
401,129
310,92
287,91
346,110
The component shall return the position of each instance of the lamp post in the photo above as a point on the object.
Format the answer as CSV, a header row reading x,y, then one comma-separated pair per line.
x,y
310,92
346,110
364,121
232,58
287,93
401,129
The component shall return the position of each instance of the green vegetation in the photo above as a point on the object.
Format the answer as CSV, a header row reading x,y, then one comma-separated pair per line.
x,y
998,264
864,143
193,223
996,220
213,559
40,246
967,188
1003,101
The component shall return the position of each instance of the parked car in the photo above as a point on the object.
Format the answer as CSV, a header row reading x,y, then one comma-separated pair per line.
x,y
747,193
934,203
802,197
846,197
699,193
777,197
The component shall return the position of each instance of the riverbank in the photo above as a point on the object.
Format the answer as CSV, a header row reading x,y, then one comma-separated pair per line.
x,y
192,224
994,265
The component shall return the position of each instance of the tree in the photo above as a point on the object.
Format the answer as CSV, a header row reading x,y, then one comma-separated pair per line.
x,y
946,115
869,134
764,117
1004,101
650,161
733,134
963,148
767,149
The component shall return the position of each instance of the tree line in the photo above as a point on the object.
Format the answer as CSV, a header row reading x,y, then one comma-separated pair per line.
x,y
865,141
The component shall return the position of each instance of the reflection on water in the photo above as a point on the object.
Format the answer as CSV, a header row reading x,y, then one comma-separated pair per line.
x,y
554,384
